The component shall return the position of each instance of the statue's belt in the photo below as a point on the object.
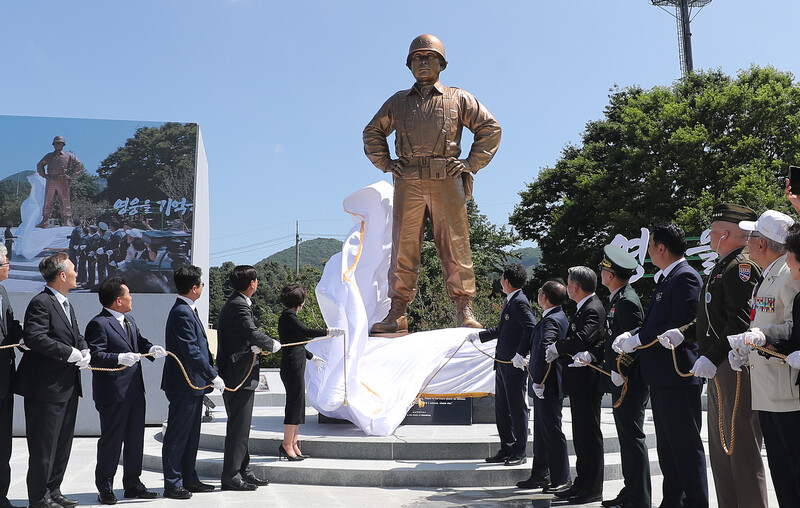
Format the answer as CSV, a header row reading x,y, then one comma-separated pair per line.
x,y
425,168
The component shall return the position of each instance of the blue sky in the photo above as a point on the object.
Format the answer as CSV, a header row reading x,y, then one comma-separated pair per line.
x,y
282,90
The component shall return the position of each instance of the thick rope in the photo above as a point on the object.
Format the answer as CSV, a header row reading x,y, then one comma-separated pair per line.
x,y
625,378
419,402
9,346
733,416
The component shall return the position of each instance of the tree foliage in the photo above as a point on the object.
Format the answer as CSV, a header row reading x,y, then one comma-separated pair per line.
x,y
156,163
669,153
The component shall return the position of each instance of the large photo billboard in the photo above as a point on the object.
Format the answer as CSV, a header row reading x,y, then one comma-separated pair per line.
x,y
117,196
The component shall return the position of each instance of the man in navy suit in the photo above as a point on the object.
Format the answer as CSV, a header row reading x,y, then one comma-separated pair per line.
x,y
675,400
114,340
10,333
513,336
583,344
50,381
186,338
550,460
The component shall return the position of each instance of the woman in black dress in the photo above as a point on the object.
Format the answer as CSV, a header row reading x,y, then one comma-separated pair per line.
x,y
293,367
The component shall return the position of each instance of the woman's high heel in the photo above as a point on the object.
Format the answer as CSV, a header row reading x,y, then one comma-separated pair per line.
x,y
282,454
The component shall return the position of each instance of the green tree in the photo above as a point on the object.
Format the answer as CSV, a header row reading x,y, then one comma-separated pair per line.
x,y
156,163
668,154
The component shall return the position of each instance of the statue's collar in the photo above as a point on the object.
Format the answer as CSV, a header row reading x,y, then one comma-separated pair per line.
x,y
438,86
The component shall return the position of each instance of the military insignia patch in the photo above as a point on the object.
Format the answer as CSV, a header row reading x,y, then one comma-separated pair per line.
x,y
744,272
612,311
765,303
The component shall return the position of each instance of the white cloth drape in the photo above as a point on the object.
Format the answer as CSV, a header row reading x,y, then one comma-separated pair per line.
x,y
379,378
33,240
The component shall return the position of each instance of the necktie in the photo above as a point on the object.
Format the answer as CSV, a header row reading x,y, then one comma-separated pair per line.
x,y
66,310
130,335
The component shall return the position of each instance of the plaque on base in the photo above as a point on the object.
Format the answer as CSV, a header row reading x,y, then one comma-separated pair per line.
x,y
441,411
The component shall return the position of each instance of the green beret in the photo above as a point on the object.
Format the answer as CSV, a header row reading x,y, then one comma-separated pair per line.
x,y
618,261
728,212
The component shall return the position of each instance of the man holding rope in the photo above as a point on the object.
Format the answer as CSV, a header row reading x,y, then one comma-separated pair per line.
x,y
724,309
115,340
675,398
624,312
772,380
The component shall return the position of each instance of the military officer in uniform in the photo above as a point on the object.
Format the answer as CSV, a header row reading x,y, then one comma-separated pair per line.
x,y
724,309
62,167
429,178
773,385
624,313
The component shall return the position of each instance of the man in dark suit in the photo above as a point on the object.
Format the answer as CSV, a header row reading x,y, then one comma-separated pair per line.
x,y
513,336
10,334
550,460
186,339
624,313
114,340
239,341
50,381
675,400
584,344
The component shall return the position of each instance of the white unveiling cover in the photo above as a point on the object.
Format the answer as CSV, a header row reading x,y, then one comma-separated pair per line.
x,y
373,381
32,240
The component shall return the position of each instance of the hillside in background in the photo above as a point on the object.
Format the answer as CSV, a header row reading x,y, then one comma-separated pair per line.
x,y
314,253
529,256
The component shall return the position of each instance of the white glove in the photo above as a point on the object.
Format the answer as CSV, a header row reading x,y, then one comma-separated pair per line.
x,y
158,351
75,356
23,346
219,383
518,361
671,338
112,263
276,346
336,332
101,251
581,359
319,363
737,360
755,337
473,337
794,360
551,353
538,390
128,359
626,343
617,378
737,343
704,367
255,349
86,357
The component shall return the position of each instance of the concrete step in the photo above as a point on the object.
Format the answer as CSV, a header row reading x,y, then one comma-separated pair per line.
x,y
409,442
374,473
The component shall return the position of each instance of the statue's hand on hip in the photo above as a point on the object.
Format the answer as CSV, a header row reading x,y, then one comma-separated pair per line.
x,y
456,166
396,167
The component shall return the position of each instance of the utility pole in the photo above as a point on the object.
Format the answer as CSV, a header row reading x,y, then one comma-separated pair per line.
x,y
683,15
297,249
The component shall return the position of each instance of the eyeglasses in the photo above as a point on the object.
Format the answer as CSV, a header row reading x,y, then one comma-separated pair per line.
x,y
753,234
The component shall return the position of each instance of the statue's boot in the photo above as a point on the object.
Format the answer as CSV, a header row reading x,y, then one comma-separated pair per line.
x,y
396,321
43,224
466,318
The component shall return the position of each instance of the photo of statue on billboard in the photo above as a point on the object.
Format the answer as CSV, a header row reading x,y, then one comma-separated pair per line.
x,y
117,196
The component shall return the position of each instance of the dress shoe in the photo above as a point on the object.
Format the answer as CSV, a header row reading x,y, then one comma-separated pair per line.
x,y
622,504
584,498
283,454
64,500
199,487
515,460
564,493
613,502
534,482
255,480
177,493
141,492
107,497
46,503
498,457
238,485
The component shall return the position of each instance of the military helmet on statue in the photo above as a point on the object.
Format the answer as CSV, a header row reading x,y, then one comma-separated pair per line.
x,y
426,42
59,139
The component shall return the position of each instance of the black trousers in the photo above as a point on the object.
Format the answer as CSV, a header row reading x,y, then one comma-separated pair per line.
x,y
678,420
121,423
510,409
236,461
588,441
549,444
629,420
181,440
49,428
6,428
782,440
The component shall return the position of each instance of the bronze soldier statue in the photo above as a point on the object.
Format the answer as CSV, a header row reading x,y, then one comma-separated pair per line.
x,y
62,166
430,179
